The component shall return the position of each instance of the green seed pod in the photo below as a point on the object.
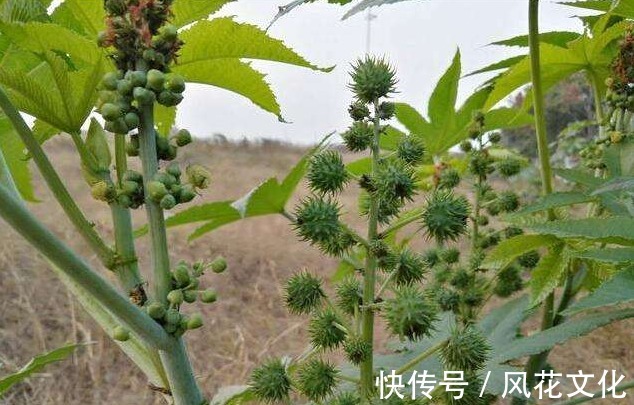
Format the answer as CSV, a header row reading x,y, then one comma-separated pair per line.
x,y
480,164
134,176
129,188
156,190
529,260
372,78
168,32
117,127
482,220
219,265
445,216
358,111
349,295
181,275
175,297
509,201
359,136
195,321
410,314
474,296
198,176
509,167
125,87
316,379
172,317
121,334
449,255
327,173
169,99
110,81
124,201
386,110
324,330
411,150
493,208
103,191
442,274
183,138
171,327
138,78
346,398
357,350
509,281
495,137
410,268
448,299
449,179
466,146
303,293
115,7
432,257
466,350
143,97
317,220
190,296
155,80
395,181
156,310
462,278
270,382
187,193
175,83
131,120
208,296
173,169
110,112
168,202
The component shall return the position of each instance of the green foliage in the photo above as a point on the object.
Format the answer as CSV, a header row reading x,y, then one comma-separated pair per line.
x,y
618,290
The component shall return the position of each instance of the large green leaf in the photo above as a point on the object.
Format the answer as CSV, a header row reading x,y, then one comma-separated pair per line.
x,y
12,149
608,255
36,365
188,11
549,338
86,17
548,273
558,38
23,10
555,200
507,251
441,109
611,230
619,290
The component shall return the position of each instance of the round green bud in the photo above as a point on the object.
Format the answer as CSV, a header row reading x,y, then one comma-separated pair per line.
x,y
110,81
208,296
110,112
175,297
372,79
270,381
445,216
143,97
183,138
181,275
131,120
303,293
172,317
173,169
466,350
327,172
357,350
129,187
175,83
187,193
156,310
324,330
120,334
103,191
190,296
168,202
316,379
169,32
169,99
198,176
125,87
117,127
134,176
512,231
195,321
482,220
410,314
156,190
138,78
155,80
358,111
219,265
172,327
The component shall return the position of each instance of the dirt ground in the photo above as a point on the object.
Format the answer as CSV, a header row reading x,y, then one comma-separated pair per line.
x,y
246,325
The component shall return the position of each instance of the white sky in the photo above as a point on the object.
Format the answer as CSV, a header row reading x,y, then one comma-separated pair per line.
x,y
419,37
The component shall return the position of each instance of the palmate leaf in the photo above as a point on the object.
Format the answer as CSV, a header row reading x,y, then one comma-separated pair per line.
x,y
507,251
188,11
23,10
555,200
86,17
36,365
12,149
619,290
558,38
610,230
548,273
214,52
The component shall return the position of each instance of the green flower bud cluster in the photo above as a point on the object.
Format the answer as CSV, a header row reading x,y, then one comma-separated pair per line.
x,y
166,149
167,189
185,290
130,193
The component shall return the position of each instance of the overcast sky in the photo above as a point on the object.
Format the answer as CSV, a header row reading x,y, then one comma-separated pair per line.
x,y
418,36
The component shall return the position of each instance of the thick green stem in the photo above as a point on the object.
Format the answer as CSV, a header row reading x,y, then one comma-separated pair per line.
x,y
536,362
183,386
369,279
17,216
85,228
416,360
6,179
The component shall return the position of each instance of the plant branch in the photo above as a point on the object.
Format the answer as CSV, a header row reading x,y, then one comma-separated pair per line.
x,y
414,362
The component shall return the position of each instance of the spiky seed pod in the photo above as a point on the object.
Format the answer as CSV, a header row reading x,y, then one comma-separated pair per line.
x,y
445,216
443,273
387,208
357,350
509,281
495,137
358,111
509,201
493,208
388,262
449,255
476,259
509,167
448,299
432,257
317,220
316,379
395,181
349,295
120,334
410,314
466,349
379,248
529,260
198,176
448,179
303,293
372,78
411,150
480,164
208,296
327,173
386,110
473,296
466,146
462,278
346,398
324,330
359,136
410,268
338,244
270,381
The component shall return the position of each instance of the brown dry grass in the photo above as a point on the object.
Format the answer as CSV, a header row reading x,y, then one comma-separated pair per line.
x,y
246,325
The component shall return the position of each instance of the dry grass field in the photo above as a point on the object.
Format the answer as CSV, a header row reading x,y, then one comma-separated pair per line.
x,y
246,325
